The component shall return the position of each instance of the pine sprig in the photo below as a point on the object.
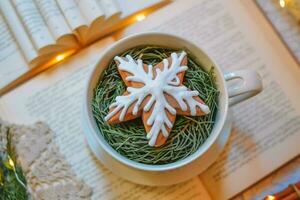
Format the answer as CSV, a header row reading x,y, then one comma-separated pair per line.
x,y
129,138
12,179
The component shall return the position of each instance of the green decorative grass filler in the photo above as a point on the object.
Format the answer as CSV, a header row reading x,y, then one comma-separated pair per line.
x,y
129,138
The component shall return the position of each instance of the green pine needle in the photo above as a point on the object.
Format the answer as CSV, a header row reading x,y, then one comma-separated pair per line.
x,y
129,138
12,179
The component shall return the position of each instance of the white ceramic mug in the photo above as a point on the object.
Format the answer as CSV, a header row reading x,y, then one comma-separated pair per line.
x,y
207,153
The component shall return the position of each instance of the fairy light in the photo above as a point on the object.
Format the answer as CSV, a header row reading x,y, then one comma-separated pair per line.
x,y
60,57
140,17
270,197
282,3
292,7
11,163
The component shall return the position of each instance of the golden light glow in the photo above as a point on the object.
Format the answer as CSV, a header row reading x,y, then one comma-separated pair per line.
x,y
11,162
282,3
270,197
140,17
60,57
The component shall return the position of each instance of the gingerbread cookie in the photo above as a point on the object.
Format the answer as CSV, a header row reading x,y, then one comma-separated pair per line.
x,y
156,94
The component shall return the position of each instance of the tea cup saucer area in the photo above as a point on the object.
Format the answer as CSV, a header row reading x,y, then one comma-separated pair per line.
x,y
206,154
147,177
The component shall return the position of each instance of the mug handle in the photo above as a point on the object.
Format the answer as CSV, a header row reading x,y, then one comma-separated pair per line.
x,y
250,86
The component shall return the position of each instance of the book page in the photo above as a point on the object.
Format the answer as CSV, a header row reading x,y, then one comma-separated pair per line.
x,y
276,182
12,62
18,30
129,7
75,18
110,7
284,23
91,10
54,18
34,23
105,23
72,13
95,16
127,15
56,98
266,129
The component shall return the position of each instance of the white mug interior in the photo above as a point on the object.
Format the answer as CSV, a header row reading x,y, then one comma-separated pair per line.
x,y
171,41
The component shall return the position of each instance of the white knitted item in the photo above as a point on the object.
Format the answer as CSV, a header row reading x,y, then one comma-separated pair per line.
x,y
47,172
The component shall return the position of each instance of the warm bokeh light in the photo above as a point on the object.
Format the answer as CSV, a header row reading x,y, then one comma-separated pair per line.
x,y
140,17
11,163
60,57
270,197
282,3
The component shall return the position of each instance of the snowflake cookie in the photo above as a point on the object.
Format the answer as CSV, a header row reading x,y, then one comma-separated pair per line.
x,y
156,94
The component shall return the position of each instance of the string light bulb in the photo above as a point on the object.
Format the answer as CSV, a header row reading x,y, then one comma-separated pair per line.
x,y
282,3
140,17
12,166
11,163
60,57
270,197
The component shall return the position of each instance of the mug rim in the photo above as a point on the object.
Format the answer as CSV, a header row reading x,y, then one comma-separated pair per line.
x,y
142,166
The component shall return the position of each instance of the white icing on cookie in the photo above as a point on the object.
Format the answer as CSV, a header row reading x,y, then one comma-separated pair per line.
x,y
165,81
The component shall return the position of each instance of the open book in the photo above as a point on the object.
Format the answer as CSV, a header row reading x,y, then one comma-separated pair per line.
x,y
266,129
284,24
46,31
